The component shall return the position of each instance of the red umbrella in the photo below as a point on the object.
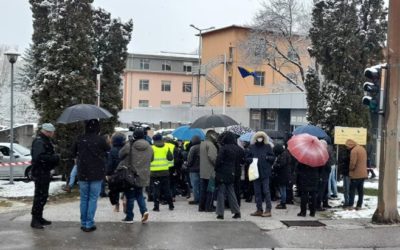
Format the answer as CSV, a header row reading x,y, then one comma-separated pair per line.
x,y
307,149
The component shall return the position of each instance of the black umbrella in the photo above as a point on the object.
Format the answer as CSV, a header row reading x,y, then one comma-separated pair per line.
x,y
213,121
82,112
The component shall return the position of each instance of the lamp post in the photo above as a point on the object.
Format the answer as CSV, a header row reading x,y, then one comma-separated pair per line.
x,y
12,57
200,49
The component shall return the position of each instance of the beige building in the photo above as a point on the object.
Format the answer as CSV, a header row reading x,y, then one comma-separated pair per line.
x,y
155,80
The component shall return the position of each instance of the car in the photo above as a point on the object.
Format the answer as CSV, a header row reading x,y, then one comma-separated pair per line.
x,y
22,157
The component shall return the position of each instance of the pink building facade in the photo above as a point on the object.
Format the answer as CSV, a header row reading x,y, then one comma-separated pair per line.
x,y
156,80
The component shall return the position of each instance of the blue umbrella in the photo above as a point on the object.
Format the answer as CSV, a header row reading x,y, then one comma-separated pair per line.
x,y
185,133
246,136
312,130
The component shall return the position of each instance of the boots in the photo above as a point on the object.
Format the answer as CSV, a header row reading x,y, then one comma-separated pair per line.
x,y
35,223
44,222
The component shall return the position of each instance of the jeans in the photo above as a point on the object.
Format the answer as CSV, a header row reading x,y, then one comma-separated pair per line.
x,y
195,181
346,189
90,191
261,186
228,191
72,176
160,185
359,185
282,192
132,195
332,183
41,194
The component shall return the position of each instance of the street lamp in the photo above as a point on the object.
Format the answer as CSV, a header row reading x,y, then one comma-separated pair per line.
x,y
200,48
12,57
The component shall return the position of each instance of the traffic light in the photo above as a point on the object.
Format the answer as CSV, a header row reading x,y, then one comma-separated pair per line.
x,y
372,88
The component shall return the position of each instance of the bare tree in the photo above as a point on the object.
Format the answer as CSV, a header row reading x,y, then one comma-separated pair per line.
x,y
278,38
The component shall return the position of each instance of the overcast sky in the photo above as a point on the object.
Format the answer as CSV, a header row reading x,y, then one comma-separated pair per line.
x,y
159,25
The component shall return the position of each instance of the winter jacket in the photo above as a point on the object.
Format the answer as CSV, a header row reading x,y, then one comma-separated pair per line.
x,y
226,160
169,157
208,156
140,158
118,141
262,151
358,160
281,166
44,159
344,162
91,153
193,161
308,177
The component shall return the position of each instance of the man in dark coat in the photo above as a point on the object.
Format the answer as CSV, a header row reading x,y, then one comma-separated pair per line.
x,y
193,164
91,153
262,150
281,168
225,175
44,159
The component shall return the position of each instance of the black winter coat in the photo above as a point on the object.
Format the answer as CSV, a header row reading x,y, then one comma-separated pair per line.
x,y
193,161
265,158
308,178
44,159
282,170
91,153
227,160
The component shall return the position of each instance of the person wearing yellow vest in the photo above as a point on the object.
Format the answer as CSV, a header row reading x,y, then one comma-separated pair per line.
x,y
159,172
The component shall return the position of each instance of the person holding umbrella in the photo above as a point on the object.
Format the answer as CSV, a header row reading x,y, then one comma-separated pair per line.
x,y
90,150
261,149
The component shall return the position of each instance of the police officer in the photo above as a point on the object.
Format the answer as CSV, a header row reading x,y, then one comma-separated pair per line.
x,y
44,159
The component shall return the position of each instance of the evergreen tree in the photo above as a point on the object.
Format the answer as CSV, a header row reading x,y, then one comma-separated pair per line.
x,y
346,37
64,65
111,40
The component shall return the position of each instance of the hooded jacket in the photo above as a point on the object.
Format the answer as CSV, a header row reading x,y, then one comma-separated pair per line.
x,y
118,141
91,151
262,151
358,160
208,156
193,161
140,159
226,159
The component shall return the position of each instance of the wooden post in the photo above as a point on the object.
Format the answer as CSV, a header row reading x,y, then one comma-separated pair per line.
x,y
386,211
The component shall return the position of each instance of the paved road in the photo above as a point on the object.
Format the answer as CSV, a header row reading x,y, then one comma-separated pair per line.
x,y
185,228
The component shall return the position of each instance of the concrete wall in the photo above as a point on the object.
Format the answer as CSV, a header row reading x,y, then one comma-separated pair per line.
x,y
23,135
179,114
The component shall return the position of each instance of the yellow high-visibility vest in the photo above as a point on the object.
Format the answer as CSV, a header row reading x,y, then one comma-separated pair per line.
x,y
160,162
171,147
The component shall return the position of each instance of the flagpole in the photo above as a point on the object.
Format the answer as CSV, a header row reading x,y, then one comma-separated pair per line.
x,y
224,96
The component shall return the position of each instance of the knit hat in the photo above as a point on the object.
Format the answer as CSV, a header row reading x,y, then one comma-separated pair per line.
x,y
48,127
138,133
157,137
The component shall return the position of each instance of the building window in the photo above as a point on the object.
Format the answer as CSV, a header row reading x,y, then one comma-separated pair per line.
x,y
270,119
144,85
165,102
187,67
166,66
259,78
166,86
186,103
255,119
145,64
143,103
187,87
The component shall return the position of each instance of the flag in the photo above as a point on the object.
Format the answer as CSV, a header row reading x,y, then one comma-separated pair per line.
x,y
246,72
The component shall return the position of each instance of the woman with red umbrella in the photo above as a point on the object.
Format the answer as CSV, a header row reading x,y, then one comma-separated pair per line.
x,y
311,155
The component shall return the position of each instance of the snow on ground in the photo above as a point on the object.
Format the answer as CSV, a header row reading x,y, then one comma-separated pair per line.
x,y
370,202
23,189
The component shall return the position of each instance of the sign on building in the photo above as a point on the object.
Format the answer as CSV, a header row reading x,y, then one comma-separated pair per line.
x,y
358,135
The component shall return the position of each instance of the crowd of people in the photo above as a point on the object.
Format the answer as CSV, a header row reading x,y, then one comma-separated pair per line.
x,y
211,173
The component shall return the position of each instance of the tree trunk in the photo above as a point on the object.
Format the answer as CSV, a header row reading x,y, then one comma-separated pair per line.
x,y
387,197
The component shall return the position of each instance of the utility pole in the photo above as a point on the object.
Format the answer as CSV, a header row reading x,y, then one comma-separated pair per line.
x,y
386,211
